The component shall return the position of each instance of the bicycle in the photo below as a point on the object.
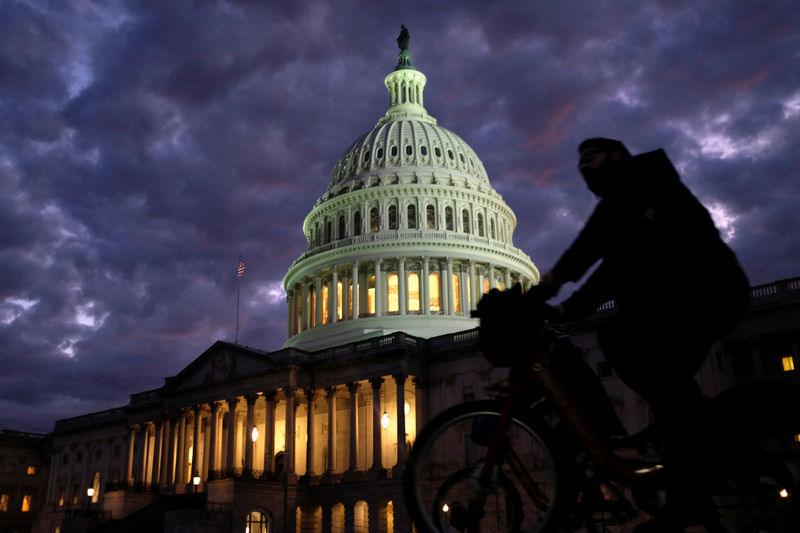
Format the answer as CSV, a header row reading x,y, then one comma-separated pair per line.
x,y
506,465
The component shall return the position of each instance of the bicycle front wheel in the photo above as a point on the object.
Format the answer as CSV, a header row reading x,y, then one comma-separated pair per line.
x,y
442,489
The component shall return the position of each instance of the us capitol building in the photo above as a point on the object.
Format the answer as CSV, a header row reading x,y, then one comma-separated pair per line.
x,y
312,438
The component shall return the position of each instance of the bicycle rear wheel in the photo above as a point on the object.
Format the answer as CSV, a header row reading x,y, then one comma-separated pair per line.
x,y
443,494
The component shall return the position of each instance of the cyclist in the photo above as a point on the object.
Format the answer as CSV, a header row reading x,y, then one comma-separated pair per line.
x,y
677,287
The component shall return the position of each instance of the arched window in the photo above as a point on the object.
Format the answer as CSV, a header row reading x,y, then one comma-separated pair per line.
x,y
325,294
456,295
341,234
448,218
413,292
327,231
393,293
361,517
465,221
373,220
371,295
298,311
412,217
480,224
392,217
491,227
357,223
339,309
256,522
433,287
430,216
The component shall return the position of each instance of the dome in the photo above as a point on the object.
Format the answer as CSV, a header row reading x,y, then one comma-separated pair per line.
x,y
407,236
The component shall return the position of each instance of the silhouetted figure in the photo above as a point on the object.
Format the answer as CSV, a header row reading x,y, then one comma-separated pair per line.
x,y
677,287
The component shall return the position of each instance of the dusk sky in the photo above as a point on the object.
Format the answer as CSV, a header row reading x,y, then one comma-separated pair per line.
x,y
145,145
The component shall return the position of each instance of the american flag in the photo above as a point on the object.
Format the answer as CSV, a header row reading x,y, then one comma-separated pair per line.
x,y
240,269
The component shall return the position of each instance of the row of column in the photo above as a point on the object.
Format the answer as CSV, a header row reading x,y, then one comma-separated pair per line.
x,y
165,452
317,300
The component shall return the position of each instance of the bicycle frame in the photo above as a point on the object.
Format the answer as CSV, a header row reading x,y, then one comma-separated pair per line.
x,y
630,472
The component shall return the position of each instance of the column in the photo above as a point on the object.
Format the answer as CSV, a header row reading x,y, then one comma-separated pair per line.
x,y
310,394
352,388
318,300
378,288
426,290
334,294
290,414
473,286
451,308
402,452
52,477
131,446
180,459
195,443
377,461
464,287
330,394
508,278
250,400
173,436
444,288
401,284
213,448
269,432
355,290
345,295
158,447
492,284
231,451
142,454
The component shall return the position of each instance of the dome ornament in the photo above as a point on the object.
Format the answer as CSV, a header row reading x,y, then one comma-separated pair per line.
x,y
404,58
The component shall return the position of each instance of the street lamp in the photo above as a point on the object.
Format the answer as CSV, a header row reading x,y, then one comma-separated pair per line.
x,y
385,420
195,482
89,494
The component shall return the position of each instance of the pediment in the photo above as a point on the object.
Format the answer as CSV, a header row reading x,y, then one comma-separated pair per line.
x,y
221,363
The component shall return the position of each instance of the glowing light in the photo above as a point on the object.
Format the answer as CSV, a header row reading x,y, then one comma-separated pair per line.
x,y
90,492
254,434
385,420
788,363
648,469
784,493
406,408
445,508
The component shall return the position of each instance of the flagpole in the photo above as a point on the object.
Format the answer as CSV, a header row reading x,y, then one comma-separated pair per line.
x,y
238,275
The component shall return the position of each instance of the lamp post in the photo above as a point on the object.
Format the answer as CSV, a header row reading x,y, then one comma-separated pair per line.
x,y
196,482
89,494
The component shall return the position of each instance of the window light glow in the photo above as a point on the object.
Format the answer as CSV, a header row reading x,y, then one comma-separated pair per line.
x,y
784,493
254,434
406,408
445,508
788,363
385,420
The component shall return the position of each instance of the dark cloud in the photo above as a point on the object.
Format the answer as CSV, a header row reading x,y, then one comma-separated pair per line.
x,y
146,145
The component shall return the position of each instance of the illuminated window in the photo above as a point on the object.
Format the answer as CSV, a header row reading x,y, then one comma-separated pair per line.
x,y
357,223
465,221
797,438
26,503
788,363
3,502
392,217
371,295
313,308
486,286
412,217
480,224
61,497
469,291
393,293
256,522
413,292
339,309
456,295
433,286
430,216
373,220
325,293
350,301
96,486
31,470
448,218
